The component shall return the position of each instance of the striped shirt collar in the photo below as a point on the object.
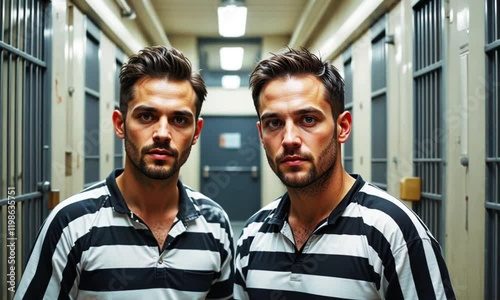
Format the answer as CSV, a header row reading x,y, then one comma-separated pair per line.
x,y
281,212
187,210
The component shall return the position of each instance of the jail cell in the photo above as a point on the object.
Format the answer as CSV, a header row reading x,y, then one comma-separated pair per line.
x,y
348,104
24,132
379,105
492,51
429,131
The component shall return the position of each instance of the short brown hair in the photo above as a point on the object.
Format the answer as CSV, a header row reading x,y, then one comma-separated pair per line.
x,y
159,62
299,62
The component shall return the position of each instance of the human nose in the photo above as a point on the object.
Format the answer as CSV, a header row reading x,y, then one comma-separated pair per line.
x,y
291,138
162,131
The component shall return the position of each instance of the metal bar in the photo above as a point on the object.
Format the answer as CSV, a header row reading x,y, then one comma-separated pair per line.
x,y
229,169
2,13
24,55
21,198
432,196
31,122
427,33
420,54
92,92
33,26
1,109
18,25
496,34
496,99
9,121
37,136
493,206
379,92
11,25
428,69
433,29
25,29
17,99
378,160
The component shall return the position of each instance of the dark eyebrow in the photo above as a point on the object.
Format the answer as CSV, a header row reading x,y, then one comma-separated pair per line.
x,y
304,111
268,116
309,110
144,108
183,113
151,109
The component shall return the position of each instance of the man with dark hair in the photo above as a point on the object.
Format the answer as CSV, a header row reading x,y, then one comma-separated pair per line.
x,y
140,234
331,235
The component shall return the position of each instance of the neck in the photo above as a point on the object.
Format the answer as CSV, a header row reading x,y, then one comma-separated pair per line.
x,y
312,204
148,196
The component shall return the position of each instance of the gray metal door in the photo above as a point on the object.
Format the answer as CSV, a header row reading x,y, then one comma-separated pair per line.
x,y
379,104
492,51
25,33
230,160
429,129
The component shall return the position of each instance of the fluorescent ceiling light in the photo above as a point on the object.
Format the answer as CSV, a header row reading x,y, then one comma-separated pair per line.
x,y
231,81
232,17
231,58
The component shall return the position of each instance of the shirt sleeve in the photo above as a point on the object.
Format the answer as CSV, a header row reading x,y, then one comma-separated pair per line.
x,y
240,264
419,272
222,288
51,269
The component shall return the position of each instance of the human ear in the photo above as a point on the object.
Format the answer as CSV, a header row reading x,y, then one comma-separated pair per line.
x,y
197,132
259,128
119,124
344,126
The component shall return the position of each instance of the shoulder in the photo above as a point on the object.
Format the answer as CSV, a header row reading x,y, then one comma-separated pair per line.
x,y
207,207
386,214
85,203
260,220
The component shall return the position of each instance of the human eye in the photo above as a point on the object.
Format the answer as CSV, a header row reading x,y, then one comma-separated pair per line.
x,y
145,116
180,120
308,120
272,123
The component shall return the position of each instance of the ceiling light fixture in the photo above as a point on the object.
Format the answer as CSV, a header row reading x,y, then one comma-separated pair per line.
x,y
231,81
232,15
231,58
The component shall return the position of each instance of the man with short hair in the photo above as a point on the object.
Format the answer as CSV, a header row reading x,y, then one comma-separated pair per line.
x,y
140,234
331,235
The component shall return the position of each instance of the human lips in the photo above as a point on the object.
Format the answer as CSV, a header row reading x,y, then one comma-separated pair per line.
x,y
160,154
292,160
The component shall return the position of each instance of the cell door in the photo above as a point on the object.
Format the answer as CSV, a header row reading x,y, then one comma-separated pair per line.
x,y
230,164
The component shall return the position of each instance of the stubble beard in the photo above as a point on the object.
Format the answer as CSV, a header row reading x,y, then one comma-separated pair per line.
x,y
157,171
318,175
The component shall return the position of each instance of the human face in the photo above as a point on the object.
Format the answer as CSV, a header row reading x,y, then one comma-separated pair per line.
x,y
160,127
298,131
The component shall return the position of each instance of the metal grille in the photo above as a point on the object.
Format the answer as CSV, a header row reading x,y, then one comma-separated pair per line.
x,y
492,49
24,132
348,149
92,132
379,106
118,145
429,127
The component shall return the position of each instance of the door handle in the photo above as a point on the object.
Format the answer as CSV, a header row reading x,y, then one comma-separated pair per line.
x,y
254,170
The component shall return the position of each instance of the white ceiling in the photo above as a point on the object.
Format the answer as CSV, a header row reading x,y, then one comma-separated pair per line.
x,y
199,17
291,20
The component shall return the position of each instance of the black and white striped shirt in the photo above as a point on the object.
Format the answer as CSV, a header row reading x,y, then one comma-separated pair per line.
x,y
92,247
370,247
